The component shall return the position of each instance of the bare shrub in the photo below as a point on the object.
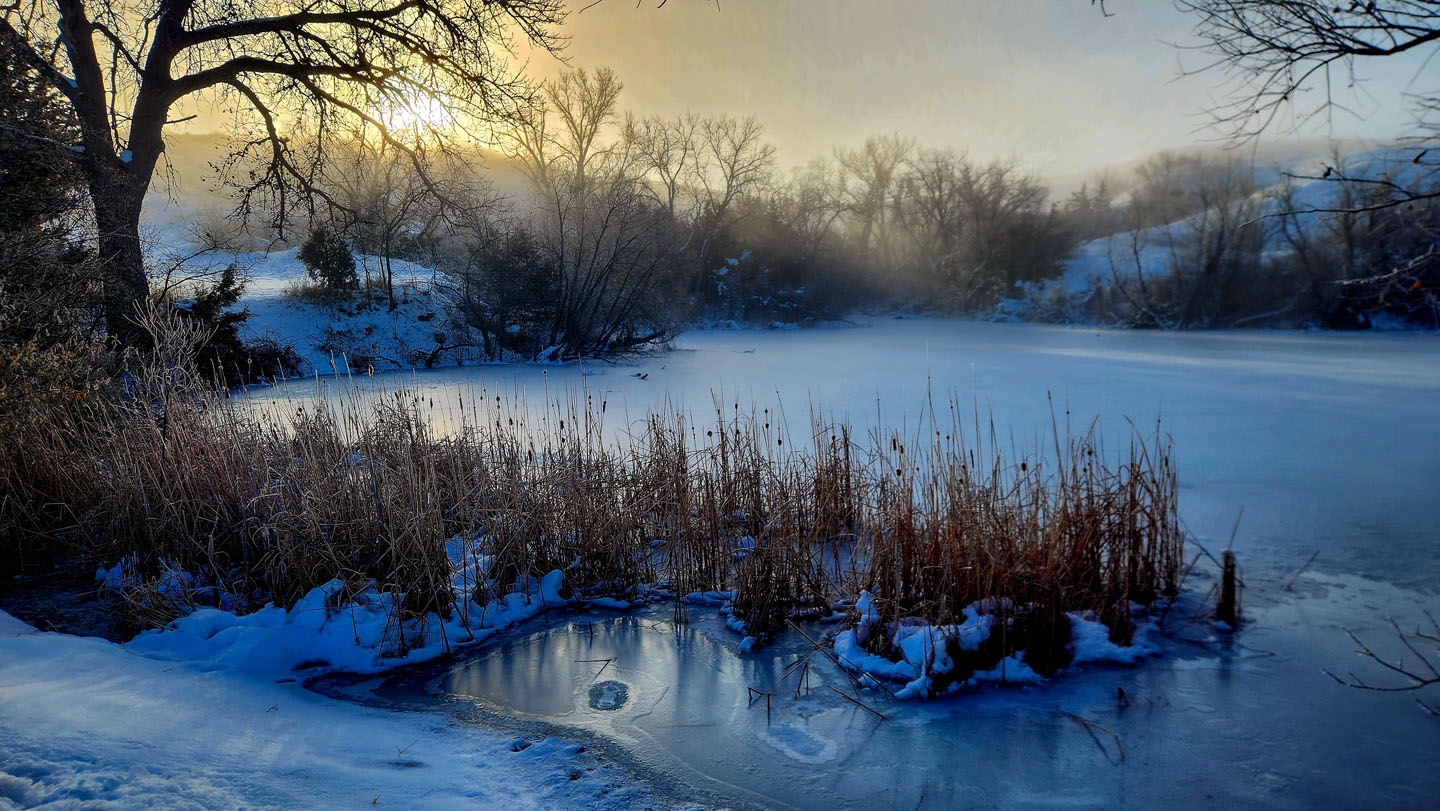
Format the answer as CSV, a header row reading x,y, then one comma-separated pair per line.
x,y
1194,240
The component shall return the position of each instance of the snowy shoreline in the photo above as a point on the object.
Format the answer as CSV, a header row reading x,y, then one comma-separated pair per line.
x,y
84,721
205,711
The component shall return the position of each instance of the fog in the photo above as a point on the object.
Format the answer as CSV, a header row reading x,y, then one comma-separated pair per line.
x,y
1058,84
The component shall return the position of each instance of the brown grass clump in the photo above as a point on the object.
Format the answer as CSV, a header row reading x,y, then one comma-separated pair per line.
x,y
261,506
1033,539
50,392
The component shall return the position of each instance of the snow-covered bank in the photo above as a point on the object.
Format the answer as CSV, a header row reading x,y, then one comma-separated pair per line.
x,y
425,329
84,721
419,332
362,634
1291,206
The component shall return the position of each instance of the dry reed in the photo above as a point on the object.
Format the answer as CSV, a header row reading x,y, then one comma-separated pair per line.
x,y
261,506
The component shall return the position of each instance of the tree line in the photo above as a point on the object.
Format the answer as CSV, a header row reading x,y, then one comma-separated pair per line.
x,y
636,226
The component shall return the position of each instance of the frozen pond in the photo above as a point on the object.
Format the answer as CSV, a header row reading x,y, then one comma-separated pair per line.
x,y
1330,443
1248,721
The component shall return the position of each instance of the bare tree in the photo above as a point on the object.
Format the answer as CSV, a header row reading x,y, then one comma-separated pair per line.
x,y
597,220
584,103
382,198
1326,246
873,168
1193,235
670,149
811,204
1290,56
1275,52
735,162
973,229
1340,239
124,69
930,208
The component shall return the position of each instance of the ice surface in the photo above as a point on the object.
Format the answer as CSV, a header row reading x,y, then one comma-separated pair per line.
x,y
1329,442
1246,721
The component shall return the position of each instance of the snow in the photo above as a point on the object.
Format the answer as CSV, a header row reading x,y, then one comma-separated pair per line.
x,y
328,339
853,656
1090,642
116,576
360,634
923,649
88,723
1096,263
193,706
608,603
9,626
716,598
1010,670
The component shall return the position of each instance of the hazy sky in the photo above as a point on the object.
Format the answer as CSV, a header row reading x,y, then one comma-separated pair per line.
x,y
1051,82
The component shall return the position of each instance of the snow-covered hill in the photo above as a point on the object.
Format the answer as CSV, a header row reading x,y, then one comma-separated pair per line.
x,y
422,331
1287,184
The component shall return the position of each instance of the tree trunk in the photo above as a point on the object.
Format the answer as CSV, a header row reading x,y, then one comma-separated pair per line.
x,y
118,180
117,216
388,271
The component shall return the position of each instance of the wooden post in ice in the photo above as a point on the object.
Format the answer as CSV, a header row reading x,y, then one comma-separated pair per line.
x,y
1228,611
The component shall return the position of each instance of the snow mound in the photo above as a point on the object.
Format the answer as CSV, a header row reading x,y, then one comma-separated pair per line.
x,y
10,626
358,634
924,650
84,723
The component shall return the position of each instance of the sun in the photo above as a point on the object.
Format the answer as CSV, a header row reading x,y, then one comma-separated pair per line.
x,y
420,113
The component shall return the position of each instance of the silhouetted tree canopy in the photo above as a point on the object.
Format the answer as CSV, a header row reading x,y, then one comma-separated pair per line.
x,y
278,65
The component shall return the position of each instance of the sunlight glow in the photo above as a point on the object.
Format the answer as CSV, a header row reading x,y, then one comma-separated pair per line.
x,y
422,113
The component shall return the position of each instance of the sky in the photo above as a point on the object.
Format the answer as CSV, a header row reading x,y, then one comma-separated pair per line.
x,y
1052,83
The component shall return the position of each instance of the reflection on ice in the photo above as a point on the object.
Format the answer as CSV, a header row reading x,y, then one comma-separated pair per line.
x,y
1246,719
1328,442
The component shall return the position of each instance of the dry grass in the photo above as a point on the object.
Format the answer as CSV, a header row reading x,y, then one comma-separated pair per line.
x,y
269,506
1037,538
